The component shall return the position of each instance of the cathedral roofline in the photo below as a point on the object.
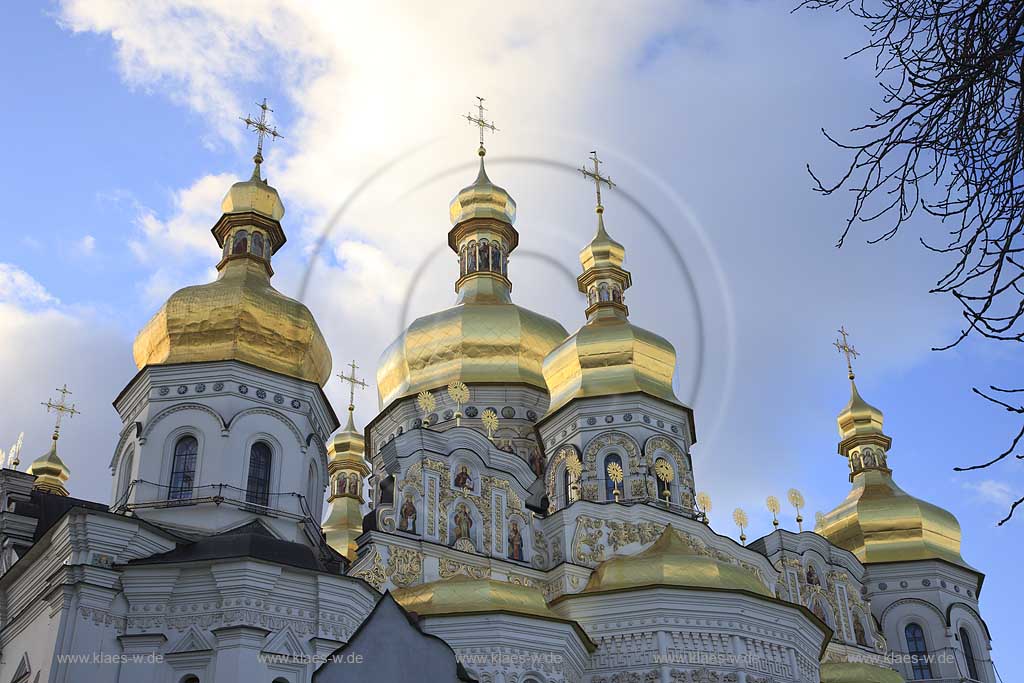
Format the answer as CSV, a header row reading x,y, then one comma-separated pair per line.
x,y
317,387
678,406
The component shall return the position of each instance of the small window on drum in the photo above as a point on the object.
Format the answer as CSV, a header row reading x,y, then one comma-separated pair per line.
x,y
257,244
257,489
183,468
241,242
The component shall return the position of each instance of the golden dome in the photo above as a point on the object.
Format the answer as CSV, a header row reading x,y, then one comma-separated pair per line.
x,y
50,471
671,561
482,199
463,594
608,355
253,195
879,521
239,316
857,672
491,341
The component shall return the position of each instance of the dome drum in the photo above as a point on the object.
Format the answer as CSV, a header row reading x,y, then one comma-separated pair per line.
x,y
230,221
482,228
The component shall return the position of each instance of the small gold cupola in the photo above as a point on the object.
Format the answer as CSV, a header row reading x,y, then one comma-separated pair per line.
x,y
880,522
240,316
347,470
608,355
50,471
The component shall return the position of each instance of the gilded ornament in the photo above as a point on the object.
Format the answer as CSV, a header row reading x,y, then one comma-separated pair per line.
x,y
490,421
426,402
773,506
664,471
405,566
459,393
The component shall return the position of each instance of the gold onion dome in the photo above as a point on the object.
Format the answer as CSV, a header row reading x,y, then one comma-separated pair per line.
x,y
671,561
608,355
484,338
240,316
482,199
50,471
878,521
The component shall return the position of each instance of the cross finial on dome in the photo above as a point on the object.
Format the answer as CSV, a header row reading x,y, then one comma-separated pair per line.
x,y
596,176
353,383
262,130
480,122
847,350
61,407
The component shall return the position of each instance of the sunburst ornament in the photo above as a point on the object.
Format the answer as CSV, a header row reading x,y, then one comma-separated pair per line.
x,y
489,418
740,517
773,506
458,392
615,473
426,402
664,471
704,505
796,499
573,465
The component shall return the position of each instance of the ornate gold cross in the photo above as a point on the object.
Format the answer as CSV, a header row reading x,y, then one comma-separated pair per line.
x,y
353,382
262,129
597,178
481,123
845,349
61,407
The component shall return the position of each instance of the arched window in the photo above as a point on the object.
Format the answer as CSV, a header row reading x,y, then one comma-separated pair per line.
x,y
972,665
471,267
664,487
602,292
918,651
257,244
257,488
612,467
504,261
124,476
241,243
616,294
183,469
227,247
570,486
462,261
190,679
485,256
495,257
592,296
314,496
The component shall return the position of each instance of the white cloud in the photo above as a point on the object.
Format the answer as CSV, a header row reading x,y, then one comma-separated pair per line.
x,y
17,286
87,245
991,491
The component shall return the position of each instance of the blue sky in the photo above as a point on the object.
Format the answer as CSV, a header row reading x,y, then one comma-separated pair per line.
x,y
121,135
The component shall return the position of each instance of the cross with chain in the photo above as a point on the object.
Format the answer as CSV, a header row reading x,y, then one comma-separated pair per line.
x,y
61,407
845,349
481,123
598,178
353,382
262,129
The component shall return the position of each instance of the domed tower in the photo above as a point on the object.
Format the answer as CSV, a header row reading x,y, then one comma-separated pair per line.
x,y
227,420
485,341
347,470
922,592
615,430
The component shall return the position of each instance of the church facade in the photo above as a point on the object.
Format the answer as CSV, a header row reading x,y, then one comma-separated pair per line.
x,y
522,509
